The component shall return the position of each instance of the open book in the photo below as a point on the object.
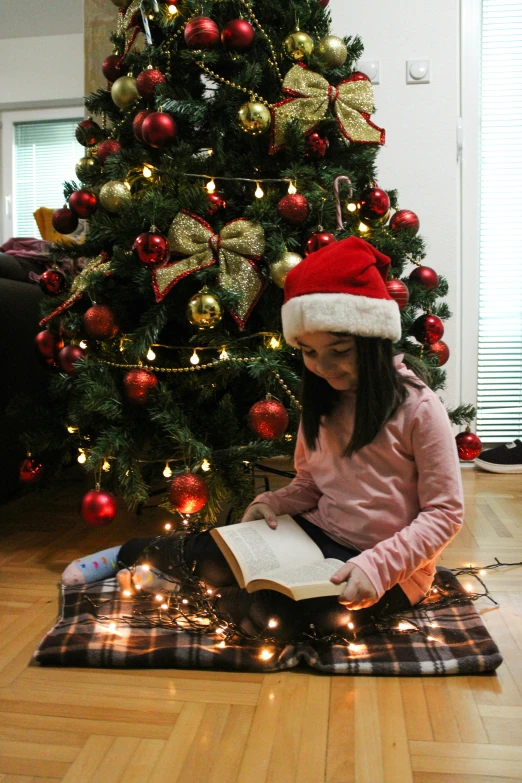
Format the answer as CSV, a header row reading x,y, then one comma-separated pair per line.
x,y
285,559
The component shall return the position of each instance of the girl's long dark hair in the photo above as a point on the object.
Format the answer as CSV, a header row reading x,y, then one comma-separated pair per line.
x,y
381,390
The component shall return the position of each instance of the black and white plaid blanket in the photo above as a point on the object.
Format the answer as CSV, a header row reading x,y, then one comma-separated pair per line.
x,y
458,642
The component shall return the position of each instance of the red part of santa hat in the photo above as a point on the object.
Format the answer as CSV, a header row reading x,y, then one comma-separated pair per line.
x,y
341,288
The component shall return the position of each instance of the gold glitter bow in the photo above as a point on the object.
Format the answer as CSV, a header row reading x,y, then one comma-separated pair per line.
x,y
239,244
80,283
311,96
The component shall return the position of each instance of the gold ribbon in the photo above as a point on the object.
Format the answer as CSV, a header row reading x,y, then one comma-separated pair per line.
x,y
80,284
311,97
235,249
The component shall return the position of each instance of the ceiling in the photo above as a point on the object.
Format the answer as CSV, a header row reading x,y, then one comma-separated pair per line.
x,y
29,18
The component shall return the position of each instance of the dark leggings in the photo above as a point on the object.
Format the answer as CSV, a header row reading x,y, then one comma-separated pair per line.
x,y
252,611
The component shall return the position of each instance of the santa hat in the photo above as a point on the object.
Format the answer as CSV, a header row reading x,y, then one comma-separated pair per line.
x,y
341,288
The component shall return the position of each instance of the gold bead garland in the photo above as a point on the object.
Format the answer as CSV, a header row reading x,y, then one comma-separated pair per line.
x,y
287,390
273,60
222,80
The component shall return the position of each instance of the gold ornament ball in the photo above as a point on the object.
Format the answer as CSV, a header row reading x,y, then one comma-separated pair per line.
x,y
254,118
84,164
124,92
298,45
332,51
282,267
113,195
204,310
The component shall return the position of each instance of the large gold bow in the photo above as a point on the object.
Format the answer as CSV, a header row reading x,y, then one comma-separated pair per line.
x,y
311,95
239,244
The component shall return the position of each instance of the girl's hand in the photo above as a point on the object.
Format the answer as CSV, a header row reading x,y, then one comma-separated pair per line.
x,y
261,511
359,592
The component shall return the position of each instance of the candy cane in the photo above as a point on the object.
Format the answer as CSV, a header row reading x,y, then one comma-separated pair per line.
x,y
338,198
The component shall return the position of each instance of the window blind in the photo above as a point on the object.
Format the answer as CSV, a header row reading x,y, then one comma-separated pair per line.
x,y
499,405
45,155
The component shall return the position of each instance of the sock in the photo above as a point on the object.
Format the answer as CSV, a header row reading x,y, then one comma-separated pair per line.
x,y
149,580
100,565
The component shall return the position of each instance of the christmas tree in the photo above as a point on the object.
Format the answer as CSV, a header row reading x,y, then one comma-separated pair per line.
x,y
238,138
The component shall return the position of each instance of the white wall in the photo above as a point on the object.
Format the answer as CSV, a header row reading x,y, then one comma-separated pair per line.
x,y
419,157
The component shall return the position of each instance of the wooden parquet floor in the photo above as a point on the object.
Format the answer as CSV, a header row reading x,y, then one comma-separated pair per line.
x,y
178,726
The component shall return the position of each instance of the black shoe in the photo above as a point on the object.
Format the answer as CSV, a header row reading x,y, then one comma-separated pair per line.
x,y
503,459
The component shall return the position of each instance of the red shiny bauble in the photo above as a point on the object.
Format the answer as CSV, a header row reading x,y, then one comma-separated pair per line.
x,y
138,384
65,221
216,203
188,493
318,240
201,33
294,208
88,133
147,81
106,148
83,202
425,276
237,34
428,329
268,419
158,129
151,249
30,471
405,221
99,508
316,146
398,291
469,446
47,344
138,122
323,3
52,282
113,67
375,204
100,323
68,356
441,350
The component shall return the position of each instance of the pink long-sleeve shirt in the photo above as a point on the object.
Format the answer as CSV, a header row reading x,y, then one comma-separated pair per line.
x,y
399,500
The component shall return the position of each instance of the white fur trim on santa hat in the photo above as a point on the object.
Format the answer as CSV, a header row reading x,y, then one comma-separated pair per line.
x,y
358,315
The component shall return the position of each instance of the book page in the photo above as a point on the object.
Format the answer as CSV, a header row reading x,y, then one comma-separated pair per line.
x,y
260,550
309,573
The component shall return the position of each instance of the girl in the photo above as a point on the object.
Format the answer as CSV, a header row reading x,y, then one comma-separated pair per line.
x,y
378,481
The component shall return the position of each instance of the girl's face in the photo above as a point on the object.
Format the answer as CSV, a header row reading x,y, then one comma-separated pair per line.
x,y
332,356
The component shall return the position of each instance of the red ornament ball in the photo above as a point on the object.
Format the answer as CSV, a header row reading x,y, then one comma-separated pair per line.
x,y
67,358
138,122
374,205
268,419
151,249
99,323
441,350
88,133
47,344
237,34
99,508
83,202
188,493
469,446
113,67
323,3
201,33
30,471
147,81
52,282
216,203
65,221
137,385
106,148
428,329
399,291
405,221
158,129
318,240
425,276
294,209
316,146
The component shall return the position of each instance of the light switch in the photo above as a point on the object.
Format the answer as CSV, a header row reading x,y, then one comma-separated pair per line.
x,y
371,68
418,72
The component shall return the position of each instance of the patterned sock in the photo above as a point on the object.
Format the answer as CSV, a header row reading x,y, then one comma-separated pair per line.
x,y
100,565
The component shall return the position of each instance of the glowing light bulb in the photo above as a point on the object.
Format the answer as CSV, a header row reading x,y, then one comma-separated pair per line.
x,y
83,345
259,191
273,623
353,647
266,655
172,10
292,189
184,601
164,606
82,457
211,186
147,173
482,572
433,625
431,639
209,591
168,526
185,521
205,465
274,343
167,471
159,598
106,466
351,626
469,588
194,359
223,355
352,207
72,429
127,593
146,567
222,644
112,627
151,355
363,228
